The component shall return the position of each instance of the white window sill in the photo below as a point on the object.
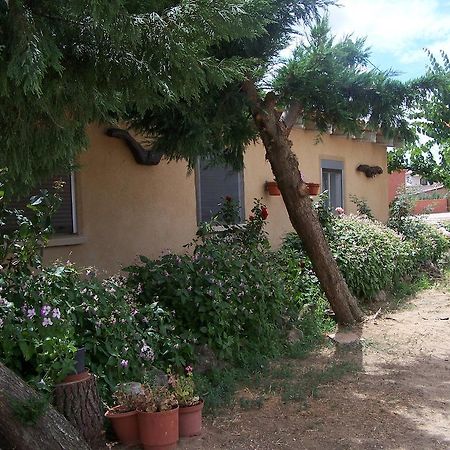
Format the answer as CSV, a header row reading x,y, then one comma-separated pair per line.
x,y
65,240
232,227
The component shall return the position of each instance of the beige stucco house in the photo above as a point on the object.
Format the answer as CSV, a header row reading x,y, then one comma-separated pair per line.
x,y
119,209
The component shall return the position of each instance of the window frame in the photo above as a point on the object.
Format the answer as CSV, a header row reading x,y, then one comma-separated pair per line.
x,y
198,193
331,165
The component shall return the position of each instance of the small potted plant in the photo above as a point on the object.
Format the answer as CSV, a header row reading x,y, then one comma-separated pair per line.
x,y
123,416
191,405
272,188
158,418
313,188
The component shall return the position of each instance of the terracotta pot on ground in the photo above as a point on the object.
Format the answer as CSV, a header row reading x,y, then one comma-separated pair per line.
x,y
159,430
272,188
125,425
191,420
313,188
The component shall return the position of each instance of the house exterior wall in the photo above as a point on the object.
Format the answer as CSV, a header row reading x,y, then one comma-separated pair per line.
x,y
351,152
125,209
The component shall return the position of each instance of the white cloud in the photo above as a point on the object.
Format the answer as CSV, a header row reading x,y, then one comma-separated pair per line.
x,y
400,27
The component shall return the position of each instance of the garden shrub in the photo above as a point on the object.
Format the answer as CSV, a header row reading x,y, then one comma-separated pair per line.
x,y
48,315
229,294
370,256
429,244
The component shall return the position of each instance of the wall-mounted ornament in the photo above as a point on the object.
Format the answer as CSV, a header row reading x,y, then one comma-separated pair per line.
x,y
369,171
141,155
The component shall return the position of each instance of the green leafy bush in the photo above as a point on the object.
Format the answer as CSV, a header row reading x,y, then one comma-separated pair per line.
x,y
429,244
50,314
370,256
229,294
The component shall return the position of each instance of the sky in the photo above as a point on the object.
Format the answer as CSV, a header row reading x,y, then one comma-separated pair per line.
x,y
397,31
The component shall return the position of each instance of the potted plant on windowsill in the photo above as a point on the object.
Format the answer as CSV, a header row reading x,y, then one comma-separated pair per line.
x,y
158,418
272,188
190,404
313,188
123,416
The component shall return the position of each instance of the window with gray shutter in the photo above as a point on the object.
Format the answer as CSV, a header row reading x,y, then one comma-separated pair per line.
x,y
214,183
332,181
63,220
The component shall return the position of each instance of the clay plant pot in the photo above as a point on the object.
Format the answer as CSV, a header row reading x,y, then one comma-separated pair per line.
x,y
159,430
272,188
191,420
125,425
313,188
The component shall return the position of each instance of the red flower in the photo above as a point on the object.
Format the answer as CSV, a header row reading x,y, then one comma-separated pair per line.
x,y
251,217
264,213
228,198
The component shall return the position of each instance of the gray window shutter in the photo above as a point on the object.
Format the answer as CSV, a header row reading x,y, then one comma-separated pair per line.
x,y
215,183
332,182
62,220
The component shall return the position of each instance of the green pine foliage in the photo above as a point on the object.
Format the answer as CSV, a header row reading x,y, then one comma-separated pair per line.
x,y
357,95
64,65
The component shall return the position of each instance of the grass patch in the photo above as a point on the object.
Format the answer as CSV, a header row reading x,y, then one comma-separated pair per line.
x,y
218,387
309,383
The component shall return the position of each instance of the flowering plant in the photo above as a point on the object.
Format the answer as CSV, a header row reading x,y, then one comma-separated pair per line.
x,y
126,397
156,399
184,388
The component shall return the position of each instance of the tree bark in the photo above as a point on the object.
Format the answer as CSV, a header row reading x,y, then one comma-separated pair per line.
x,y
275,136
51,431
79,402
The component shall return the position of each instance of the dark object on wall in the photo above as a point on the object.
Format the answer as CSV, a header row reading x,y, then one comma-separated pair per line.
x,y
140,154
370,171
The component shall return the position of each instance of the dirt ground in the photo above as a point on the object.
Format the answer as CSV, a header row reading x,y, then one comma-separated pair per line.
x,y
390,392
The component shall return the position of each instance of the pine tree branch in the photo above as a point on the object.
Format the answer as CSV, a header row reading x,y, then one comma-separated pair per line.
x,y
290,116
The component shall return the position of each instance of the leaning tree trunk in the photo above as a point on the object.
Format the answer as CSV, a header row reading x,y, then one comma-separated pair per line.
x,y
275,136
51,431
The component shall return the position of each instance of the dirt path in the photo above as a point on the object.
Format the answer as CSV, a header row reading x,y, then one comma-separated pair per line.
x,y
397,398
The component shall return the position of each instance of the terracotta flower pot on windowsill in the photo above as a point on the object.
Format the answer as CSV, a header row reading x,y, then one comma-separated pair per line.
x,y
313,188
272,188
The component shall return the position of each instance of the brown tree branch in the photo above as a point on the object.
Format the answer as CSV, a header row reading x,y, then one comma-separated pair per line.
x,y
290,116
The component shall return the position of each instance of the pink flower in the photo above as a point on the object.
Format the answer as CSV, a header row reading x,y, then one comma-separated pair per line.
x,y
45,310
47,322
339,211
31,313
56,313
124,363
188,370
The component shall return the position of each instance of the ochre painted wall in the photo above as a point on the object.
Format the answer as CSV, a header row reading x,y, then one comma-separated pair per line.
x,y
309,153
125,209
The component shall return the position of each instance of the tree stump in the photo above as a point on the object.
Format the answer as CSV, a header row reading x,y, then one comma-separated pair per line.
x,y
79,402
51,431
